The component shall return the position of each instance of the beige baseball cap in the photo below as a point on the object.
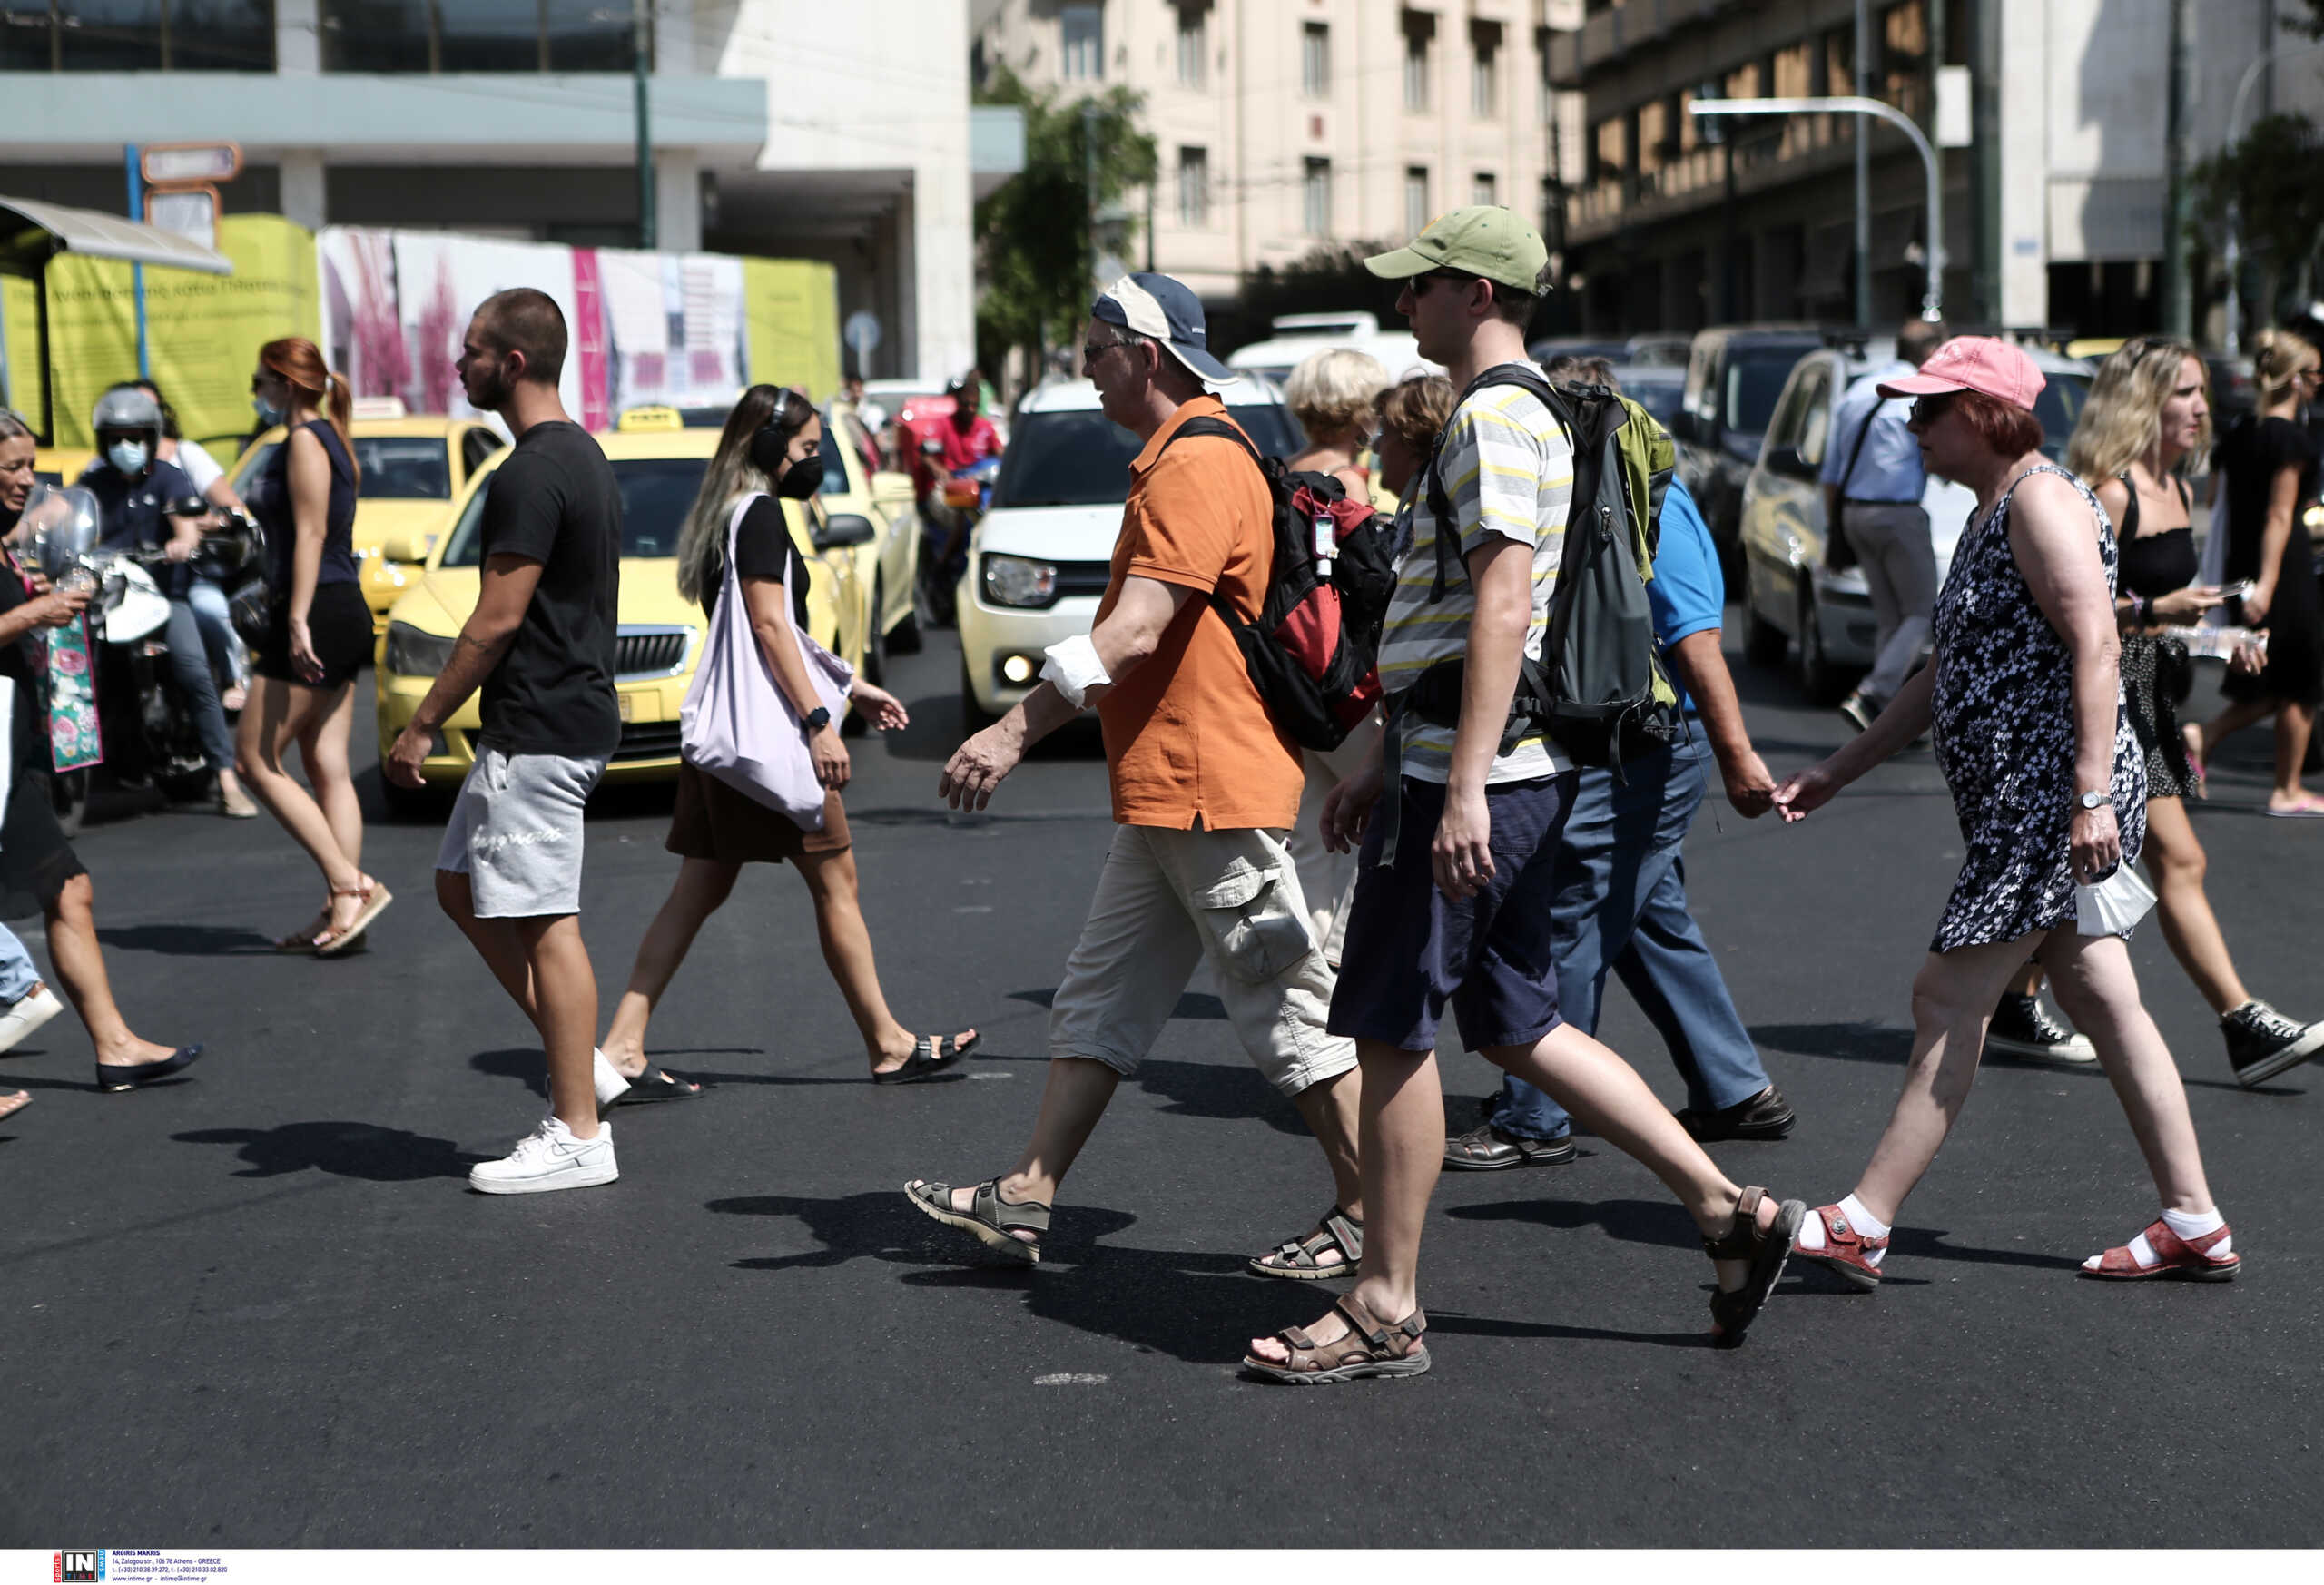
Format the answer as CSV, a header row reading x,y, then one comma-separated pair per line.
x,y
1482,239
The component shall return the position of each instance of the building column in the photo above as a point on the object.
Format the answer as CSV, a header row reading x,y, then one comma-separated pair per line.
x,y
302,188
677,201
297,38
942,268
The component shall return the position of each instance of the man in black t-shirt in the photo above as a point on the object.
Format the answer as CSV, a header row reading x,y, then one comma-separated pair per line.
x,y
540,643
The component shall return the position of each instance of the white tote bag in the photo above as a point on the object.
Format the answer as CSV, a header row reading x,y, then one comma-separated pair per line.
x,y
736,724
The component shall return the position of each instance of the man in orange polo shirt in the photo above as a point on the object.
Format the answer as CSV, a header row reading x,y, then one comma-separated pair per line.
x,y
1205,787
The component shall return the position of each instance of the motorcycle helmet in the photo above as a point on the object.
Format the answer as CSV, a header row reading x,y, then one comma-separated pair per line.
x,y
126,408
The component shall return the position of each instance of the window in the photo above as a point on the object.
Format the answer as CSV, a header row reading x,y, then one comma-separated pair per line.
x,y
1315,59
1484,70
474,35
1193,42
1084,55
1417,214
1608,149
136,36
1419,32
1486,189
1194,187
1316,191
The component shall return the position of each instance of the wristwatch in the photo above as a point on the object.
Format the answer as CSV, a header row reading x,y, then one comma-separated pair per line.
x,y
2094,799
815,720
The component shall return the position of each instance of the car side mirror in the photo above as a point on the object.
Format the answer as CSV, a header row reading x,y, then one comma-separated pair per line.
x,y
1786,461
407,546
846,529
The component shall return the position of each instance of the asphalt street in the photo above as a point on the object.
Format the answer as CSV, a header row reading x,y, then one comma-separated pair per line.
x,y
261,1308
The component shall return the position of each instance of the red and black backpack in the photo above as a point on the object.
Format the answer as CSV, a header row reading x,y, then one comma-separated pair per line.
x,y
1312,650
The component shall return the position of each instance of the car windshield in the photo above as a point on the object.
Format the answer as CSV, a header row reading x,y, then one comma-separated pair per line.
x,y
1755,379
1660,396
656,492
395,468
1081,458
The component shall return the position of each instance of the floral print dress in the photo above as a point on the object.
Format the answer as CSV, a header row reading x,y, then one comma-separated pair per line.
x,y
2003,733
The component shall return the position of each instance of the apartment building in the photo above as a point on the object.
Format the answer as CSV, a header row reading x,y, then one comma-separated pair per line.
x,y
2054,215
1286,125
779,127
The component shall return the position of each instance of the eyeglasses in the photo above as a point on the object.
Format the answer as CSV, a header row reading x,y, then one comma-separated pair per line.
x,y
1418,284
1928,410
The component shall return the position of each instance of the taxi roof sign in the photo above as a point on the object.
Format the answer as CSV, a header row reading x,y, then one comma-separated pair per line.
x,y
378,407
639,420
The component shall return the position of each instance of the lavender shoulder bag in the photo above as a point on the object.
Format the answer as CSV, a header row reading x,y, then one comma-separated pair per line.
x,y
736,724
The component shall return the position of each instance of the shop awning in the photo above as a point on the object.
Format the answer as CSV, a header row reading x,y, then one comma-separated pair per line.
x,y
30,233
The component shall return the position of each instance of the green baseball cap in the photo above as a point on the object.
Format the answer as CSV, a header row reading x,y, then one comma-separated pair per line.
x,y
1482,239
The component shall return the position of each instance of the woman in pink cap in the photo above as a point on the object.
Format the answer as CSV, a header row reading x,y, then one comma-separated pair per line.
x,y
2049,781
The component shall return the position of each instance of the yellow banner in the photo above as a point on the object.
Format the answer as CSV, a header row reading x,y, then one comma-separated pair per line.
x,y
20,369
793,311
202,331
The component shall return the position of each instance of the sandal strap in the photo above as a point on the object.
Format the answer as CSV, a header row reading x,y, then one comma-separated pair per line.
x,y
1009,1216
1742,1238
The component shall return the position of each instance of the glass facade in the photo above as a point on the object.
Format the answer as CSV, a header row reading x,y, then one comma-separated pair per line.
x,y
137,35
478,35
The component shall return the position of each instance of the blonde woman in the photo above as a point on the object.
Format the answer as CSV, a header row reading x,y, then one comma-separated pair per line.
x,y
2146,426
771,447
2270,463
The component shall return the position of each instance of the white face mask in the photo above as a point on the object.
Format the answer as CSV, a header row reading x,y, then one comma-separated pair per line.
x,y
128,457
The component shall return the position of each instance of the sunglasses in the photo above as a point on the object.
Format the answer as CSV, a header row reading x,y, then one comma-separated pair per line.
x,y
1418,284
1928,410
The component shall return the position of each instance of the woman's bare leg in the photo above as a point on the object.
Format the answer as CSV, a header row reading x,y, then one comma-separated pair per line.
x,y
1954,996
278,713
2177,862
2092,978
322,749
2294,725
703,884
80,965
847,952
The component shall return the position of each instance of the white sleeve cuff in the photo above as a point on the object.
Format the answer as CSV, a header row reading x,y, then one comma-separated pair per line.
x,y
1073,668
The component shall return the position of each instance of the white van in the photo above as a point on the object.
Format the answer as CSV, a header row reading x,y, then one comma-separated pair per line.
x,y
1040,558
1298,335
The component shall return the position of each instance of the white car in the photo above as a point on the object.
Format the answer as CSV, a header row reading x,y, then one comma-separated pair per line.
x,y
1298,336
1787,592
1040,558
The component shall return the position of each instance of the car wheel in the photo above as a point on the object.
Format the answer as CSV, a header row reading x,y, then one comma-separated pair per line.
x,y
875,641
1820,679
905,639
974,717
1764,643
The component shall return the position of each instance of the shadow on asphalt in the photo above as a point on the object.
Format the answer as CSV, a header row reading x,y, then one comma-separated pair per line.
x,y
363,1150
526,1064
186,941
1851,1042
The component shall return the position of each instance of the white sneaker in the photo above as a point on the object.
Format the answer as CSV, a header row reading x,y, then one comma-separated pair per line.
x,y
611,1085
28,1014
549,1157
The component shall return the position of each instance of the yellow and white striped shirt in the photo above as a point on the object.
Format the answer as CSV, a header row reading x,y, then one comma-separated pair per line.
x,y
1508,469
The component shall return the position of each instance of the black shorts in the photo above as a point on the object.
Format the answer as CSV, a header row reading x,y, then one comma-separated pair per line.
x,y
36,858
340,624
1410,950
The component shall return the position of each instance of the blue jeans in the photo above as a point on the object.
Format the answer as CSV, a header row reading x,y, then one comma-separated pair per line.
x,y
229,657
17,975
190,660
1620,903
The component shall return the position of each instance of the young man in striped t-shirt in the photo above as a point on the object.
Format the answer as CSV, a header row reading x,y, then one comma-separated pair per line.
x,y
1455,904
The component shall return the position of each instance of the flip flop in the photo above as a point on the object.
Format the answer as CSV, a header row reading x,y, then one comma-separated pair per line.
x,y
658,1084
2306,808
929,1056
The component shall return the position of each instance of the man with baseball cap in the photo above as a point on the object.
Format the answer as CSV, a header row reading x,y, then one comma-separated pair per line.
x,y
1205,786
1456,903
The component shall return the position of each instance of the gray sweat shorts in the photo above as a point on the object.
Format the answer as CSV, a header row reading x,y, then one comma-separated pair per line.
x,y
516,833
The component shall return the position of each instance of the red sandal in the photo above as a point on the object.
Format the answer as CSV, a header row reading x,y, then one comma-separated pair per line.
x,y
2174,1257
1845,1250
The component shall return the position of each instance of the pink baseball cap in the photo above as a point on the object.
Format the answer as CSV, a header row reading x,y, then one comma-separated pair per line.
x,y
1985,364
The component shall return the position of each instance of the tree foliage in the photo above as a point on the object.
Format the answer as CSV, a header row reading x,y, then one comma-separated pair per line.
x,y
2269,176
1033,233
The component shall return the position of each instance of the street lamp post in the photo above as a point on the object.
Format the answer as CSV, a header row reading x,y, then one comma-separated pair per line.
x,y
1933,293
642,22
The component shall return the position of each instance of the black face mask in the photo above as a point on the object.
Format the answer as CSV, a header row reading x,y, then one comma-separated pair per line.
x,y
805,478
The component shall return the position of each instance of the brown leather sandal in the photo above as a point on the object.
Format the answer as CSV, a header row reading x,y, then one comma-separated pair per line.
x,y
1366,1350
1732,1309
1301,1258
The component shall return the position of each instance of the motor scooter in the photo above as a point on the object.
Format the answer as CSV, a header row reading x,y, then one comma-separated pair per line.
x,y
944,545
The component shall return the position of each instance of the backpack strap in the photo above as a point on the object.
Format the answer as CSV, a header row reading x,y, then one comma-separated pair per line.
x,y
1440,503
1201,426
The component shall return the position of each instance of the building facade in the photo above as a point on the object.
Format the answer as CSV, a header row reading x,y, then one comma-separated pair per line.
x,y
1284,126
2053,214
778,127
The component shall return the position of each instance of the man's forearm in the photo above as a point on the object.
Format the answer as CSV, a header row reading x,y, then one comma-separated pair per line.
x,y
474,655
1702,672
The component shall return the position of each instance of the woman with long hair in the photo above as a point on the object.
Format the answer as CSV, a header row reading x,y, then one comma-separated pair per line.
x,y
2147,426
772,449
2049,781
2269,462
318,634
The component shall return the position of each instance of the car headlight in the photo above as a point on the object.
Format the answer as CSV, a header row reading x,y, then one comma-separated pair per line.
x,y
1018,580
415,654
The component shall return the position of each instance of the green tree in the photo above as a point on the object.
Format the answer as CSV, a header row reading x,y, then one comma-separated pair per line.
x,y
1033,233
2269,178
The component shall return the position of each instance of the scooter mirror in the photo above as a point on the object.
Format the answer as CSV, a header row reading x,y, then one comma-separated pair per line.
x,y
65,526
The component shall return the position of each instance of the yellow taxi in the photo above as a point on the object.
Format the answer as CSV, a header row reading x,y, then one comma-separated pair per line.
x,y
887,566
60,465
658,471
413,470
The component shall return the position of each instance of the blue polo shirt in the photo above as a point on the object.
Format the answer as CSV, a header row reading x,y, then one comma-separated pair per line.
x,y
1688,594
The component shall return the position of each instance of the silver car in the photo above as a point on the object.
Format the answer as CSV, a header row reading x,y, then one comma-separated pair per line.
x,y
1788,594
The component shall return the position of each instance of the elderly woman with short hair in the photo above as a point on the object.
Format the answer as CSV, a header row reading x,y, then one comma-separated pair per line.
x,y
2049,781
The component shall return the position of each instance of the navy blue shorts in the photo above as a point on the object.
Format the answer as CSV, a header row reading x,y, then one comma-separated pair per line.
x,y
1410,950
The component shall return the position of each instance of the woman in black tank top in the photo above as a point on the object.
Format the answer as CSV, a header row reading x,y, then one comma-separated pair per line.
x,y
2153,389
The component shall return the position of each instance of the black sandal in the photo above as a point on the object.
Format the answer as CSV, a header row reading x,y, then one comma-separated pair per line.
x,y
992,1220
1297,1259
1733,1311
657,1084
929,1056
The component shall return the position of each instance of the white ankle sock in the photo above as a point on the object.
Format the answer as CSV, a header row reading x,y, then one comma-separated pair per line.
x,y
610,1083
2189,1226
1867,1226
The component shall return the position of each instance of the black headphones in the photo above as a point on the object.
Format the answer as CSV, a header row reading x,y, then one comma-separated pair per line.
x,y
770,445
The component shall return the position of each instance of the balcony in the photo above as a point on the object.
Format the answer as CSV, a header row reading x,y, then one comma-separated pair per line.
x,y
1611,34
